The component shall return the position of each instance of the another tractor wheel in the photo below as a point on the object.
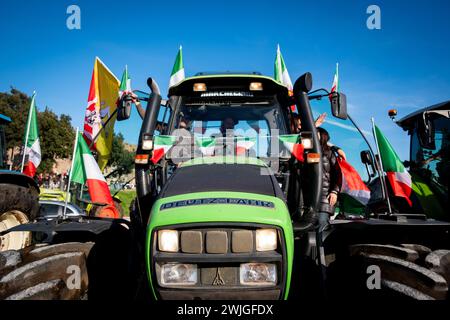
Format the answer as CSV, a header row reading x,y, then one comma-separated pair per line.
x,y
18,205
408,270
45,272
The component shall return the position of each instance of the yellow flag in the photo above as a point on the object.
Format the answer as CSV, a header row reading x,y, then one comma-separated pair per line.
x,y
106,89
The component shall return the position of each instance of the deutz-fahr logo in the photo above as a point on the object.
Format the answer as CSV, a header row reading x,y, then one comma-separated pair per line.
x,y
197,202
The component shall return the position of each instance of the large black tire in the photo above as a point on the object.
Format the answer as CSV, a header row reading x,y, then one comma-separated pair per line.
x,y
407,270
20,198
18,204
45,272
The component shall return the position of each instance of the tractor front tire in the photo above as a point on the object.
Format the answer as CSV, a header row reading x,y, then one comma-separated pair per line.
x,y
18,205
45,272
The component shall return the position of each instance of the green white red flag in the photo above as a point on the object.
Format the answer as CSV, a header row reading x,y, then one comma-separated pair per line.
x,y
161,145
396,173
206,145
177,74
335,86
125,83
32,147
86,170
281,73
243,144
293,144
351,182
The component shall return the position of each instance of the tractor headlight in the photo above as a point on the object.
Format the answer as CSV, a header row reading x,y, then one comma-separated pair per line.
x,y
258,274
266,239
179,274
168,240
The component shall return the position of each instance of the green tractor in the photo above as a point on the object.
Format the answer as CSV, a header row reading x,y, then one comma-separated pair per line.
x,y
228,213
18,199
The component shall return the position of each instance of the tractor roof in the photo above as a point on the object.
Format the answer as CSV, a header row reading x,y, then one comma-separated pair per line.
x,y
409,121
229,82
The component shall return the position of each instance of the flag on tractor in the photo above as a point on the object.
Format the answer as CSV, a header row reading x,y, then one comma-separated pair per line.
x,y
177,74
399,178
293,144
335,86
243,144
86,170
281,73
352,184
32,147
162,145
102,101
125,83
206,145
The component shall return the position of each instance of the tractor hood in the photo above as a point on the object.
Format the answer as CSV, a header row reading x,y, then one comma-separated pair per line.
x,y
222,175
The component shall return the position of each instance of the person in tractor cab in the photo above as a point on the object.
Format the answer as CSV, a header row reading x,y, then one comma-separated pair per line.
x,y
296,127
330,185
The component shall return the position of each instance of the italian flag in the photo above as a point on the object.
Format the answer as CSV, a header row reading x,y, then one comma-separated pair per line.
x,y
206,145
292,143
281,73
125,83
352,184
162,145
243,144
396,173
32,150
335,86
86,170
177,74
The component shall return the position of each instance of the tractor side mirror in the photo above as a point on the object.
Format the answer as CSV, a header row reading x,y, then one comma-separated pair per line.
x,y
339,105
366,157
124,108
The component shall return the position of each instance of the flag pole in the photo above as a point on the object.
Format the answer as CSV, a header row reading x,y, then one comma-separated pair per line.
x,y
71,171
27,131
380,163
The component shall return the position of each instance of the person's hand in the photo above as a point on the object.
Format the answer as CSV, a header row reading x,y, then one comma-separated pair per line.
x,y
332,198
134,97
341,154
320,119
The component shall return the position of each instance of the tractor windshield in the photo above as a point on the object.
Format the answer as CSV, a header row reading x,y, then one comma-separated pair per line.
x,y
224,120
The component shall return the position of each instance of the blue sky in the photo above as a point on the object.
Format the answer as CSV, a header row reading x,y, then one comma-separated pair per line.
x,y
404,65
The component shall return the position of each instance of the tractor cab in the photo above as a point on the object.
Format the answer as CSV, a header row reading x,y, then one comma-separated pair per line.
x,y
429,163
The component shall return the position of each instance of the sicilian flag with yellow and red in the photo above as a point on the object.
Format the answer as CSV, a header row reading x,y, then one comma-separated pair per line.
x,y
102,103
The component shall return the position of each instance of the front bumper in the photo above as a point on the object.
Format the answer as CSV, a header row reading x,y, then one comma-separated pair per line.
x,y
224,266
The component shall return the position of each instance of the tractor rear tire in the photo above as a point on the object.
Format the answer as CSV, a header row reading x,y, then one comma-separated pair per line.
x,y
18,205
407,270
45,272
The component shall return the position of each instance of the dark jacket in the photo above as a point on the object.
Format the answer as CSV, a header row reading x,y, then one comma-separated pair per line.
x,y
329,180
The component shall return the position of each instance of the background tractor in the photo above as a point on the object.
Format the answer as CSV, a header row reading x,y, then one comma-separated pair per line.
x,y
18,199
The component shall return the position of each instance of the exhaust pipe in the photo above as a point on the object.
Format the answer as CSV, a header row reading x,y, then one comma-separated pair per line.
x,y
144,180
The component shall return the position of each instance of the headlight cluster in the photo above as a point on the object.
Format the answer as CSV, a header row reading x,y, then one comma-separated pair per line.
x,y
168,240
258,274
179,274
266,239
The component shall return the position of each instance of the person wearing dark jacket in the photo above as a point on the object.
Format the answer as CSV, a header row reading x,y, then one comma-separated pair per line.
x,y
330,184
